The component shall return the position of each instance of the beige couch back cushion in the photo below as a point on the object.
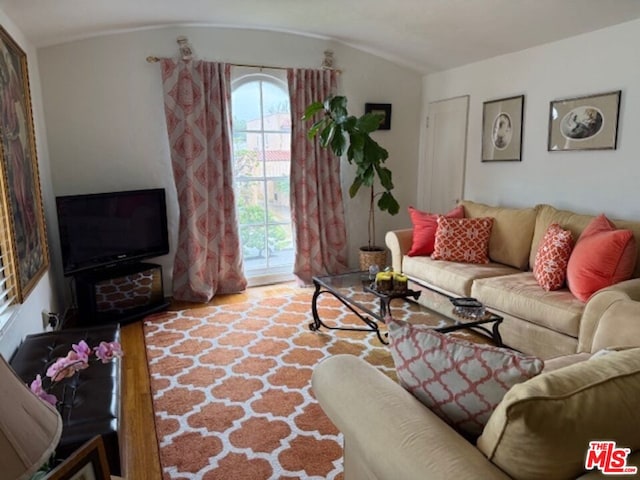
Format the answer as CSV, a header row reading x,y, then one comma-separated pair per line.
x,y
575,223
542,427
512,231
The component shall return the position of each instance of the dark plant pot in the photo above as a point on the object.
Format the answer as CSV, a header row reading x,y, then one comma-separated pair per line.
x,y
373,255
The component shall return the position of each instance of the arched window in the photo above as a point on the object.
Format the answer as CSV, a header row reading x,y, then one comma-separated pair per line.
x,y
262,157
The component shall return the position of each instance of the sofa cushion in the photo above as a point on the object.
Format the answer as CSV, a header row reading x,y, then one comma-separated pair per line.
x,y
462,382
520,295
463,239
603,256
452,277
424,229
550,269
511,235
545,424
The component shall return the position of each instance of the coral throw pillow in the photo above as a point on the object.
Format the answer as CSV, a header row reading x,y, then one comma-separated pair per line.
x,y
462,382
550,267
603,256
463,240
424,229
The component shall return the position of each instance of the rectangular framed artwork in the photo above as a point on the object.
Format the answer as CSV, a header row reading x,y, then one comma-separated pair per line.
x,y
22,200
584,123
502,121
383,109
89,462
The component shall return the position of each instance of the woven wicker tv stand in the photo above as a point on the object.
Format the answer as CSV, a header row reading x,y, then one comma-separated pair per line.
x,y
371,307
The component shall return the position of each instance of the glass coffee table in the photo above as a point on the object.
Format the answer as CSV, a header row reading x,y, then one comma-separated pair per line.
x,y
355,290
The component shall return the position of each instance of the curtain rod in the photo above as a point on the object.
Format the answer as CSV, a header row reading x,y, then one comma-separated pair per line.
x,y
152,59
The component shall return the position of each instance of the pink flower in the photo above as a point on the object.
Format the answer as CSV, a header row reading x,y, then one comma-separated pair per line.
x,y
36,387
108,351
59,370
65,367
77,359
82,350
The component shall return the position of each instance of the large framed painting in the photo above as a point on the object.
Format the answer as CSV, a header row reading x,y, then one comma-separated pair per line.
x,y
584,123
502,129
21,197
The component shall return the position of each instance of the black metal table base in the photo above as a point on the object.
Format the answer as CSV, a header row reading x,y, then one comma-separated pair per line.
x,y
371,321
372,325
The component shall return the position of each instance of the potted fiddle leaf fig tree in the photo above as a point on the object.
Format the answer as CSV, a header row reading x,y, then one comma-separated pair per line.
x,y
344,133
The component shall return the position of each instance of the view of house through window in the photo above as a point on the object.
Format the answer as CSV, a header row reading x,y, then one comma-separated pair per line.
x,y
262,155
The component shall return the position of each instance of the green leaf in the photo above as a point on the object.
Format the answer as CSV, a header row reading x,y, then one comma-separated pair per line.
x,y
339,143
369,122
312,109
389,203
326,135
384,174
315,128
355,186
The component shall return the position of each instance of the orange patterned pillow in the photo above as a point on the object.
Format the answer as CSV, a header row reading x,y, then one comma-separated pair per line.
x,y
463,239
424,229
550,267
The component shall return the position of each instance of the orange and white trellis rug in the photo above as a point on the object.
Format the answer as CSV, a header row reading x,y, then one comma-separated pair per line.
x,y
232,392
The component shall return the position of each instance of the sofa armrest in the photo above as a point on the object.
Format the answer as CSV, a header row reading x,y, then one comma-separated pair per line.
x,y
392,433
399,242
610,318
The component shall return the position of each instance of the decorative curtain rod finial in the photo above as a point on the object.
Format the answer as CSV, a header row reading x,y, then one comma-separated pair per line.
x,y
327,62
186,52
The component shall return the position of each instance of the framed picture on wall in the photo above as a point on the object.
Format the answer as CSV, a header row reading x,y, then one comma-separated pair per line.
x,y
584,123
20,197
502,129
383,109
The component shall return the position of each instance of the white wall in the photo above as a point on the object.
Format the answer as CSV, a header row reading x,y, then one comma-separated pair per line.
x,y
585,181
105,117
27,317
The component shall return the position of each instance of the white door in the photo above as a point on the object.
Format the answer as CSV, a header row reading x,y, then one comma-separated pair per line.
x,y
446,151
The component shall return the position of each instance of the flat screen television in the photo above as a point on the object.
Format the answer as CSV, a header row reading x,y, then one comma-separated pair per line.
x,y
104,229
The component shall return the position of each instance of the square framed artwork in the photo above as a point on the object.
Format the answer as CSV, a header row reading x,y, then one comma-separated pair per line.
x,y
584,123
502,129
383,109
89,462
21,200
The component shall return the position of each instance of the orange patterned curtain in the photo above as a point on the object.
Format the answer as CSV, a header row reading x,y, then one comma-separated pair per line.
x,y
197,100
317,208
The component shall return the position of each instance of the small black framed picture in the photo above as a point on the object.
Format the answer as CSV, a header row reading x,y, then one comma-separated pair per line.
x,y
383,109
502,121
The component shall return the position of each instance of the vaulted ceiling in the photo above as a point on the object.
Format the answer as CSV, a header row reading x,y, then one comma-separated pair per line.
x,y
428,35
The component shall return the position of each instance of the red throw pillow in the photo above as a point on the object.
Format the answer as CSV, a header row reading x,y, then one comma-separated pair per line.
x,y
550,267
424,229
460,381
603,256
463,239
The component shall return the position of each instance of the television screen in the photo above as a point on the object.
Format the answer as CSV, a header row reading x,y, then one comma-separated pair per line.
x,y
101,229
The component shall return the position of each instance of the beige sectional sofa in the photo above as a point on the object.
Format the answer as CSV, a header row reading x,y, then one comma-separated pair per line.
x,y
540,431
538,322
542,427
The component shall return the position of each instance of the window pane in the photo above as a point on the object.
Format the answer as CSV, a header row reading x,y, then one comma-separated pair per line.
x,y
245,104
276,99
278,142
251,204
254,241
247,162
278,200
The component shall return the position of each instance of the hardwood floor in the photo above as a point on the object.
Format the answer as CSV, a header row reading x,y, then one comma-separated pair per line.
x,y
138,443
